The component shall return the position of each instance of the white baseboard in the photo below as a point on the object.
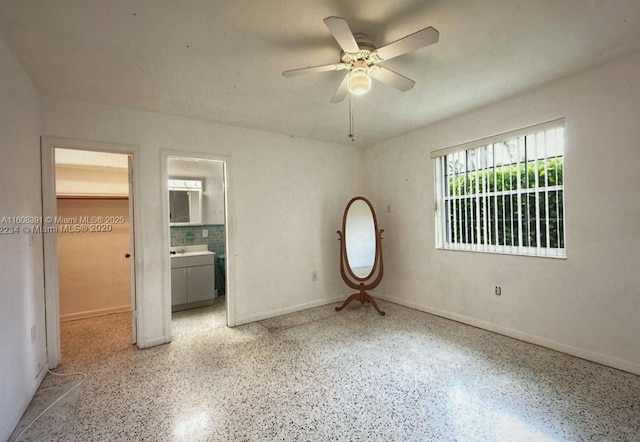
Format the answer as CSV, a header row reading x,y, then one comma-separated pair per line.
x,y
286,310
94,313
579,352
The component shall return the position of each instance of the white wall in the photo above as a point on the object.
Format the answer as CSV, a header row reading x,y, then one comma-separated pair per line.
x,y
287,196
588,304
21,278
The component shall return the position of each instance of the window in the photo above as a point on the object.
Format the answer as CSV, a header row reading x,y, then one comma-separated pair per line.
x,y
503,194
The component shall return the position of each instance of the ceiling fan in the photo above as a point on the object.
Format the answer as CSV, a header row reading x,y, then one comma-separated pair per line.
x,y
360,58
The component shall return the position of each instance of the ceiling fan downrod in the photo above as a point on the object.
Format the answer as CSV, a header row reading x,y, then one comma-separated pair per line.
x,y
351,134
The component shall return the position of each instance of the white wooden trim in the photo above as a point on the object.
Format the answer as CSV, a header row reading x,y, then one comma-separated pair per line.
x,y
572,350
499,137
440,206
50,255
229,228
93,313
530,252
132,247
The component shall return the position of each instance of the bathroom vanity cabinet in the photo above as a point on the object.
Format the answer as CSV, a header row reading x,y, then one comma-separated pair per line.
x,y
192,280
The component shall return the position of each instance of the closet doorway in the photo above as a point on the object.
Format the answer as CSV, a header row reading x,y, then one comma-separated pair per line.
x,y
89,242
94,241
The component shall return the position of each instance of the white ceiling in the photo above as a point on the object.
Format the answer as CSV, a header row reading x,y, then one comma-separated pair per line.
x,y
222,60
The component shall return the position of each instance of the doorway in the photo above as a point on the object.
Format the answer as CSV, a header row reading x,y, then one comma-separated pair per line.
x,y
196,217
94,239
89,245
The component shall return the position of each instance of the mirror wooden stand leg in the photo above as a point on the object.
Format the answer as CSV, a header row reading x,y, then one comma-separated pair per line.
x,y
363,297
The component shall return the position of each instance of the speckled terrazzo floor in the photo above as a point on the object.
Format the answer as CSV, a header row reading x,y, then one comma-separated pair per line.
x,y
321,375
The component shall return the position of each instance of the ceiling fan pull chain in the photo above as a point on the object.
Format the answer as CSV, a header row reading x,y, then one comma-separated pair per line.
x,y
351,134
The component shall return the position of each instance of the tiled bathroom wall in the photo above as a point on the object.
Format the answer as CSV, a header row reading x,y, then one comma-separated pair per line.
x,y
190,235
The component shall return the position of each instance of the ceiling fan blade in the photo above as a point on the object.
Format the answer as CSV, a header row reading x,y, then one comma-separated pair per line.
x,y
342,91
417,40
393,79
340,30
315,69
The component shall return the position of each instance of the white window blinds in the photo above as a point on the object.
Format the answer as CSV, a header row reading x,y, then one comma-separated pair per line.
x,y
503,194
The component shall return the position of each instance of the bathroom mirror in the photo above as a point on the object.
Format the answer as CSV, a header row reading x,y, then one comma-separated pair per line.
x,y
361,264
185,202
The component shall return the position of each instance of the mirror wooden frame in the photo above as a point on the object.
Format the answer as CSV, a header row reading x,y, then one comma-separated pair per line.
x,y
371,281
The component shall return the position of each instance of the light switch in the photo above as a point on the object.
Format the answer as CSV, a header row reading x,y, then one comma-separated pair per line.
x,y
205,233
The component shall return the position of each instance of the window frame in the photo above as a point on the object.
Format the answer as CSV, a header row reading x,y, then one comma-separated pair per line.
x,y
480,200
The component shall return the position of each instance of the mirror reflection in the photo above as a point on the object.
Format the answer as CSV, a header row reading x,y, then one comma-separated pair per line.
x,y
360,239
178,206
361,264
185,202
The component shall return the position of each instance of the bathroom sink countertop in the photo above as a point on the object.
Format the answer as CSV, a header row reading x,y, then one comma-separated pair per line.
x,y
203,252
195,250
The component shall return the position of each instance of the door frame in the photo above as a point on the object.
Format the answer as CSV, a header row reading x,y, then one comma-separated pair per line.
x,y
229,230
50,244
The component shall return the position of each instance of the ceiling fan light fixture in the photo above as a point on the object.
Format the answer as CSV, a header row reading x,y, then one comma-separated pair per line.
x,y
359,81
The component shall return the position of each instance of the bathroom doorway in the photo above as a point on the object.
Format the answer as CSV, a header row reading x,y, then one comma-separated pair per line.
x,y
196,216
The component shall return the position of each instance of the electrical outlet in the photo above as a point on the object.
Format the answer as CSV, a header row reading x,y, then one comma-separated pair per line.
x,y
314,276
205,233
33,334
498,290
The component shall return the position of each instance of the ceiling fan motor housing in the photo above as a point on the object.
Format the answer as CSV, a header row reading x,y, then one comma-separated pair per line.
x,y
366,47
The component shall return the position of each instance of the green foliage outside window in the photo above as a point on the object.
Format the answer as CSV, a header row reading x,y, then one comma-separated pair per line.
x,y
550,173
489,207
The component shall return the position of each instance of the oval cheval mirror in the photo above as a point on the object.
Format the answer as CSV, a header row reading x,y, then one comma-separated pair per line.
x,y
360,251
